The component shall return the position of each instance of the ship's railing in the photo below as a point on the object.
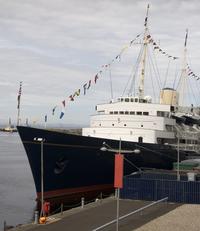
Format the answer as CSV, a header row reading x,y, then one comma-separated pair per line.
x,y
187,147
131,213
189,110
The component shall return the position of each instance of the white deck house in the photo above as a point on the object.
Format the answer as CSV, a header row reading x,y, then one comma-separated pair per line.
x,y
132,119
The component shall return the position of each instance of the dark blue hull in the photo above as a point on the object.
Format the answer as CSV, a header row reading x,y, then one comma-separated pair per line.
x,y
75,166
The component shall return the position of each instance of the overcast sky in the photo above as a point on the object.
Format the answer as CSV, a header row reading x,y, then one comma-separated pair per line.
x,y
55,47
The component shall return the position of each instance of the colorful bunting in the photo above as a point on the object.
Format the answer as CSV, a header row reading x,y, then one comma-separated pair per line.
x,y
19,95
77,93
96,78
191,73
53,110
63,102
157,47
71,98
89,84
84,88
61,114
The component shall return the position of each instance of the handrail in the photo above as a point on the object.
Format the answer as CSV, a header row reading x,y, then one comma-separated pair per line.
x,y
135,211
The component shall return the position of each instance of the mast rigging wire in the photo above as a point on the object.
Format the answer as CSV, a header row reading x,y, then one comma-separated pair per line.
x,y
133,78
166,74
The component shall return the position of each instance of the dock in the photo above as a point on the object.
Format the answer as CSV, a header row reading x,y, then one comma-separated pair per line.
x,y
98,213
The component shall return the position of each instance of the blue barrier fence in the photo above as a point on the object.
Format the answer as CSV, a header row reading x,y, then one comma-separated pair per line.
x,y
154,187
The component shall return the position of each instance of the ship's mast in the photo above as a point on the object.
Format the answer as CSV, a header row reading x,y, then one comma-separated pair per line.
x,y
141,85
182,87
18,105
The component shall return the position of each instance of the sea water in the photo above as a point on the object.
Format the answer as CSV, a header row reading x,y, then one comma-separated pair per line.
x,y
17,190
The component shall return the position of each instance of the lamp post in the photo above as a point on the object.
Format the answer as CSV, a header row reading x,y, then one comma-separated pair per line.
x,y
119,164
178,153
178,159
41,141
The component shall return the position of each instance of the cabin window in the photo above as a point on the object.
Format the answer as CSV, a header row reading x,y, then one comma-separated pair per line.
x,y
140,139
169,127
113,125
121,112
99,125
126,112
139,113
132,100
132,113
136,100
111,112
160,140
141,125
124,125
145,113
126,99
115,112
172,108
166,114
161,113
122,100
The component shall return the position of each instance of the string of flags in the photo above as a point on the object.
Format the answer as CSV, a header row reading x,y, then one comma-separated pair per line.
x,y
19,95
157,47
191,73
86,86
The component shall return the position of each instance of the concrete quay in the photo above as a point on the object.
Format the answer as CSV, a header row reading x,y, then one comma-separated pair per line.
x,y
96,214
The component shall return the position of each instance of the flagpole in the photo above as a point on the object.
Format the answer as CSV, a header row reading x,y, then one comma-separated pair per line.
x,y
18,106
45,121
18,115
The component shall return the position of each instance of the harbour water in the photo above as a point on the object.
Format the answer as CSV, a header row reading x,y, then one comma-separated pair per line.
x,y
17,192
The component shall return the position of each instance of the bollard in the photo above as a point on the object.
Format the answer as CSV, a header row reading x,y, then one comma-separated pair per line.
x,y
36,217
4,226
101,197
82,202
61,209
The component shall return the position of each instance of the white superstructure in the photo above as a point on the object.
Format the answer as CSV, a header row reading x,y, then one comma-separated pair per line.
x,y
132,119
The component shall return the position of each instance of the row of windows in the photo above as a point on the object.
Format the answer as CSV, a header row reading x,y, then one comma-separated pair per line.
x,y
132,100
129,113
124,125
159,113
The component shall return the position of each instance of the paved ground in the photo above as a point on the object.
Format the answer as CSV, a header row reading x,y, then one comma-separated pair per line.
x,y
184,218
99,213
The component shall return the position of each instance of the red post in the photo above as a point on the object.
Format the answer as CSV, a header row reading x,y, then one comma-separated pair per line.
x,y
119,170
46,208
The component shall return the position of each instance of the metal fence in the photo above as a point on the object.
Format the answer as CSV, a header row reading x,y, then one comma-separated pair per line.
x,y
154,187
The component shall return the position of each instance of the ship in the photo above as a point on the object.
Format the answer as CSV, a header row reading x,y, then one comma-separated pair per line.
x,y
10,128
67,166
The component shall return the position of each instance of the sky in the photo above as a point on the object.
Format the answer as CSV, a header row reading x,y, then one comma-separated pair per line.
x,y
55,47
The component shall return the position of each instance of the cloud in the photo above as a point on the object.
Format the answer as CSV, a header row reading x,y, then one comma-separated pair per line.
x,y
55,47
